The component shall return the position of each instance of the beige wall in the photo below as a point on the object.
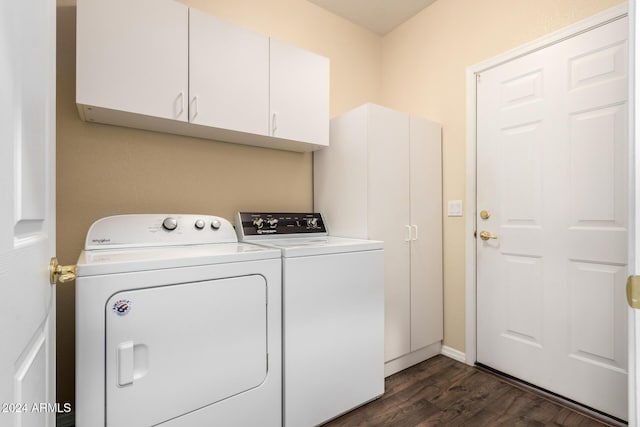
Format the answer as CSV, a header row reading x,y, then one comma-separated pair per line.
x,y
423,72
106,170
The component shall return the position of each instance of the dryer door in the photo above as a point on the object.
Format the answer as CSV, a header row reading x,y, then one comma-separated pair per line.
x,y
174,349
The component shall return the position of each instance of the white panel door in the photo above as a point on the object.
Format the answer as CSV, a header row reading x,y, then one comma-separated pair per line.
x,y
389,221
299,98
167,355
133,56
426,233
228,75
27,201
552,173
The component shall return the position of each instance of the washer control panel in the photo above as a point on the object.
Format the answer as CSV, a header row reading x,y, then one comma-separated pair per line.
x,y
141,230
259,225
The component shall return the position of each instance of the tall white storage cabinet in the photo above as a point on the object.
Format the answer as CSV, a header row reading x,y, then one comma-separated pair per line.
x,y
381,178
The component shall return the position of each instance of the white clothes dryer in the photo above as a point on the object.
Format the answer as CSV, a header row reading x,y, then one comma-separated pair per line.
x,y
333,314
177,324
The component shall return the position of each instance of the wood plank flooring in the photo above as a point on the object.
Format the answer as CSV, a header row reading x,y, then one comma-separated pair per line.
x,y
444,392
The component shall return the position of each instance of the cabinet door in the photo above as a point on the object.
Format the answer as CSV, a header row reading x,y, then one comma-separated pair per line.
x,y
388,207
133,56
426,244
228,75
299,100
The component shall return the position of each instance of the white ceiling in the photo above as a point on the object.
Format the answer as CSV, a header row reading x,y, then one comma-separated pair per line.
x,y
379,16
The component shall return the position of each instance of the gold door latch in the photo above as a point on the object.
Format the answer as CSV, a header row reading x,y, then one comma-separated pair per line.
x,y
633,291
486,235
60,273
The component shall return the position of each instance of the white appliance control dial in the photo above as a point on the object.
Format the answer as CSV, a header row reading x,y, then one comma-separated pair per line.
x,y
169,224
258,222
273,222
199,224
215,224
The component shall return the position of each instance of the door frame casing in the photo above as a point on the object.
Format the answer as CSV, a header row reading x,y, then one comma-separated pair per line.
x,y
579,27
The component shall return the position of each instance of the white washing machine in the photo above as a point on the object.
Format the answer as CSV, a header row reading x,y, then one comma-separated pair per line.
x,y
177,324
333,315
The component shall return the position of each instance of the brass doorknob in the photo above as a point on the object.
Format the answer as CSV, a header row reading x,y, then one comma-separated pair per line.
x,y
60,273
486,235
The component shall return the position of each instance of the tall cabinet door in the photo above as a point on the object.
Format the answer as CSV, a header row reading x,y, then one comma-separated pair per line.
x,y
228,75
388,213
426,244
127,61
299,99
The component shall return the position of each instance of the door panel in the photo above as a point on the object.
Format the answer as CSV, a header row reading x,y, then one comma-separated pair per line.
x,y
27,197
425,160
158,341
228,75
133,56
552,169
388,203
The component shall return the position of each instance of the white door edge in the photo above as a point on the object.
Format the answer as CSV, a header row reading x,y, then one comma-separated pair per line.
x,y
634,218
596,20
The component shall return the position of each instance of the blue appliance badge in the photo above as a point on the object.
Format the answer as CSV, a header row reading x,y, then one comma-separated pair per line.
x,y
122,307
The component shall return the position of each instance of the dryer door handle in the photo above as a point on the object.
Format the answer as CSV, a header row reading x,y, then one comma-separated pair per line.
x,y
125,363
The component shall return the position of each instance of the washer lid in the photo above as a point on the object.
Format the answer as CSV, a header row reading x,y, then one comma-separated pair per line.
x,y
321,246
105,261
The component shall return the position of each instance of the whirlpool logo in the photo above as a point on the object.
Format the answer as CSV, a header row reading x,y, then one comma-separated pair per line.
x,y
101,241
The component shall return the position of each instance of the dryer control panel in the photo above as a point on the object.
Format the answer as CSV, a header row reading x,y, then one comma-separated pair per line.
x,y
143,230
260,225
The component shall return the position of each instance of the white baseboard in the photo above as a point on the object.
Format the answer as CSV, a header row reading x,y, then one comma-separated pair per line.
x,y
403,362
454,354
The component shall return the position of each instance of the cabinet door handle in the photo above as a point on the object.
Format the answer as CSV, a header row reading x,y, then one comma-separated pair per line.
x,y
194,104
415,227
408,239
274,123
179,107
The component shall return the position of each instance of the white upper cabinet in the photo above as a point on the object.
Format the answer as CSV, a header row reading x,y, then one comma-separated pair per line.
x,y
299,102
159,65
132,56
228,75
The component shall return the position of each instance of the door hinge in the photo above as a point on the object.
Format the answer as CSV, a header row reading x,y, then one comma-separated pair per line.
x,y
633,291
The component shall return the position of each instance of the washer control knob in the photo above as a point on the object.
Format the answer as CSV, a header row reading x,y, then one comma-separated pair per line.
x,y
199,224
312,222
258,222
169,224
215,224
273,222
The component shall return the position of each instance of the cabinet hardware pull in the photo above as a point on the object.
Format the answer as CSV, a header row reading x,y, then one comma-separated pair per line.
x,y
194,103
415,227
408,239
180,105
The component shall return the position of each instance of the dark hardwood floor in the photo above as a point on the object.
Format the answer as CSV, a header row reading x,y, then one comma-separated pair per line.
x,y
444,392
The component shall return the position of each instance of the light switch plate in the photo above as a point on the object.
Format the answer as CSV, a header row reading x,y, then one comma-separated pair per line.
x,y
454,208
